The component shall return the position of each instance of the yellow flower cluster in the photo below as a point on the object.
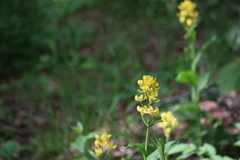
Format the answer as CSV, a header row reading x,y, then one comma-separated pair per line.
x,y
169,122
102,144
187,15
148,86
149,89
148,110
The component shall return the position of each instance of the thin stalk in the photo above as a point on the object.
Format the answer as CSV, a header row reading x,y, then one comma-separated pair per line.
x,y
147,133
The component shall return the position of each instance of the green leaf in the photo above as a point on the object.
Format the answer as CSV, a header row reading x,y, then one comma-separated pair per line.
x,y
216,157
200,53
190,107
201,152
79,143
134,144
207,43
4,153
203,81
237,125
189,77
154,155
177,148
140,147
78,128
184,156
227,158
155,122
170,144
237,143
228,78
9,148
196,60
160,146
191,148
210,149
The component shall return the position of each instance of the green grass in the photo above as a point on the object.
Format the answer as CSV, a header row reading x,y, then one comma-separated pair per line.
x,y
90,58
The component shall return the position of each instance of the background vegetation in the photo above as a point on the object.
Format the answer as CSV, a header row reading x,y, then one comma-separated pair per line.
x,y
65,61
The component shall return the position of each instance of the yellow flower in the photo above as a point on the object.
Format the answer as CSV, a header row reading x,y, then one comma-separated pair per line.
x,y
149,89
148,86
168,130
162,124
169,122
148,110
105,136
194,14
189,22
187,15
111,146
140,98
182,19
174,123
142,110
98,151
97,143
102,144
97,137
154,112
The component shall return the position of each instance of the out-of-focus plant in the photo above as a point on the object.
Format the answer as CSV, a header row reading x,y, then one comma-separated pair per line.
x,y
81,142
189,18
103,147
8,148
198,83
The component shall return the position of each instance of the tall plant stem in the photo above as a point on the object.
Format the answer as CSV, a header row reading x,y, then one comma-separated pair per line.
x,y
147,133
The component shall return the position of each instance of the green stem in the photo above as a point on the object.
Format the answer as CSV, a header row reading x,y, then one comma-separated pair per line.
x,y
167,138
147,133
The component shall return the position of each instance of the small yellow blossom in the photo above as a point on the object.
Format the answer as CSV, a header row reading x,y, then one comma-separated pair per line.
x,y
140,98
187,15
169,122
148,110
97,143
174,123
102,144
163,124
111,146
98,151
168,130
149,89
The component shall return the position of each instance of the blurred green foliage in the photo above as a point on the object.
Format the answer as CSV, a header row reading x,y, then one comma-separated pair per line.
x,y
80,60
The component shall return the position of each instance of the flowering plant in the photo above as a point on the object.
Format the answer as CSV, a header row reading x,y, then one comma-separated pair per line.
x,y
149,91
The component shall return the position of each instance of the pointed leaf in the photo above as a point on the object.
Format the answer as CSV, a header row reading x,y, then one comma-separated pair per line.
x,y
191,148
177,148
204,80
189,77
140,147
170,144
154,155
237,143
211,149
228,78
184,156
